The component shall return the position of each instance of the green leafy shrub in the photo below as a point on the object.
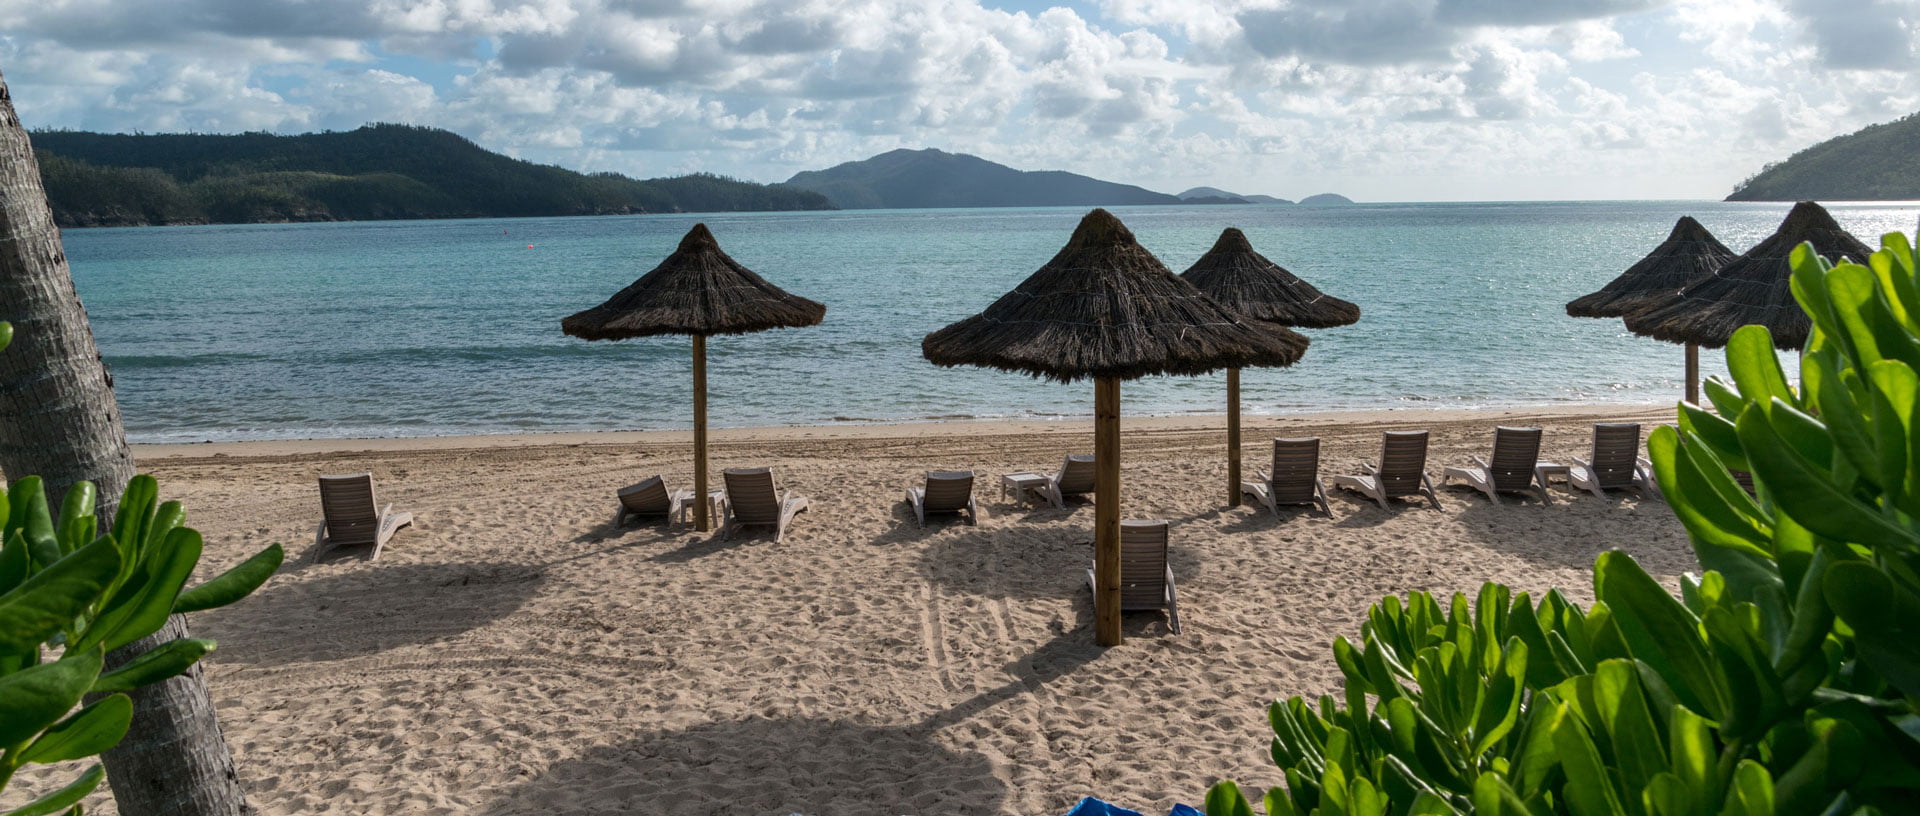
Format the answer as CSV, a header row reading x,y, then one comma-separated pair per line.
x,y
70,593
1782,681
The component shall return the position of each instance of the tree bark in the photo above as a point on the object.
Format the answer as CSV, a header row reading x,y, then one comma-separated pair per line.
x,y
59,419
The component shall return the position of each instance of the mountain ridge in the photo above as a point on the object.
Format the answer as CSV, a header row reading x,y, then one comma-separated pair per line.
x,y
378,171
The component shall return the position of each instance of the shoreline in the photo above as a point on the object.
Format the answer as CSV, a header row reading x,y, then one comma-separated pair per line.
x,y
1251,425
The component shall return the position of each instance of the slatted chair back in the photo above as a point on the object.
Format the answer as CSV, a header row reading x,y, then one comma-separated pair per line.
x,y
751,495
1616,453
353,516
1515,453
948,490
1143,564
1403,461
1076,474
1296,470
646,498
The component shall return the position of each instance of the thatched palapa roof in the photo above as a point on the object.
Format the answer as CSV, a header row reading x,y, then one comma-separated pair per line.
x,y
1689,254
1753,288
696,290
1245,281
1106,307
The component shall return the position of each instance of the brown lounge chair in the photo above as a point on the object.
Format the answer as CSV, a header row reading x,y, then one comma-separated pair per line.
x,y
652,498
348,504
1146,580
1615,464
1074,479
1295,478
751,499
946,491
1515,467
1402,471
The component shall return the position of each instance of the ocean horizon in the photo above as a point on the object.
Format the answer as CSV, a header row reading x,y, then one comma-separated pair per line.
x,y
451,327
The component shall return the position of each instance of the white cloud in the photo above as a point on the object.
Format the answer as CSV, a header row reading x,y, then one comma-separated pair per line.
x,y
1383,99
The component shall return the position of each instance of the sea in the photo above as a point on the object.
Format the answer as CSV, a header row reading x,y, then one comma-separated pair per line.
x,y
426,328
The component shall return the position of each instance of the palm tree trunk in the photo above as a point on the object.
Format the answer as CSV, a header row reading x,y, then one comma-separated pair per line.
x,y
58,419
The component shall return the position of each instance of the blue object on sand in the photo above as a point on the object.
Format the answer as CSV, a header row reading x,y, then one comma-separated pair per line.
x,y
1094,807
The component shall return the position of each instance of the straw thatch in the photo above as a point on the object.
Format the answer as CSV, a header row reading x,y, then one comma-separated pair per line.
x,y
1689,254
1106,307
696,290
1753,288
1245,281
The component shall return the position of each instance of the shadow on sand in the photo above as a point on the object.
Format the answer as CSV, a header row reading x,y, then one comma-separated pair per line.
x,y
381,607
765,766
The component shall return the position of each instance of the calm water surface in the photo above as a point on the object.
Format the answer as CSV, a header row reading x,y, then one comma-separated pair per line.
x,y
414,328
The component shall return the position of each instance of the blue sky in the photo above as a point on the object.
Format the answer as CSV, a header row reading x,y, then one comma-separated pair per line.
x,y
1384,100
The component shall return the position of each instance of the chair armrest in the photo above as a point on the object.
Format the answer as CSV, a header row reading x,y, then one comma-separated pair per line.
x,y
1481,462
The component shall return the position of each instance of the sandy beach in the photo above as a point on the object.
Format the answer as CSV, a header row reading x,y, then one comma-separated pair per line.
x,y
513,653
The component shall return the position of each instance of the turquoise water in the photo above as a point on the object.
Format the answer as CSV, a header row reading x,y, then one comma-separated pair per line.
x,y
416,328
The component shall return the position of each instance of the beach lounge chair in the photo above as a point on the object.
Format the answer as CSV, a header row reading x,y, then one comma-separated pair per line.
x,y
1074,479
751,499
353,517
1146,581
651,498
1402,471
946,491
1615,463
1295,478
1515,466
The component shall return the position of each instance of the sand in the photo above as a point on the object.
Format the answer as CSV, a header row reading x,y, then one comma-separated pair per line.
x,y
513,653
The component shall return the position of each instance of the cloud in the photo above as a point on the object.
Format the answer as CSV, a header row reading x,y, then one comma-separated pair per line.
x,y
1382,99
1861,34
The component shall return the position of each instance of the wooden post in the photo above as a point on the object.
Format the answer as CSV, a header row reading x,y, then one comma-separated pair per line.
x,y
1693,373
1233,437
1106,511
700,504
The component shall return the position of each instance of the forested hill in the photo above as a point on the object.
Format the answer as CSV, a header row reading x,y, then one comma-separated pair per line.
x,y
1876,163
934,178
375,172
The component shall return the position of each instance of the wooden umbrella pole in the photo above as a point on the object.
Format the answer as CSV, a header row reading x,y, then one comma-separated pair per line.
x,y
1693,373
700,503
1106,510
1233,437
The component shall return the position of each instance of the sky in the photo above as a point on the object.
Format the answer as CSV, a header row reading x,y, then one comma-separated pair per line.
x,y
1380,100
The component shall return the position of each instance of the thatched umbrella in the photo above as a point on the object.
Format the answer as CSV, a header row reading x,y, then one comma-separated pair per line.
x,y
700,291
1753,288
1105,308
1245,281
1689,254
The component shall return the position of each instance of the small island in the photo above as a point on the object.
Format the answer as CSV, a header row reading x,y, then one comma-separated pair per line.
x,y
1876,163
1326,200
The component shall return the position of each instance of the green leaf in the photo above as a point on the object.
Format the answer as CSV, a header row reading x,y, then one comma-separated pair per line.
x,y
1752,791
38,696
51,599
130,522
1661,632
90,731
64,798
1717,432
1225,799
1807,493
235,583
1728,402
1756,368
163,661
1589,788
76,512
1637,746
1850,287
1693,754
1711,523
148,611
6,334
29,516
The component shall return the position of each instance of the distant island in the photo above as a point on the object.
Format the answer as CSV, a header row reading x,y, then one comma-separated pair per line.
x,y
936,178
1875,163
376,172
1325,200
1215,195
